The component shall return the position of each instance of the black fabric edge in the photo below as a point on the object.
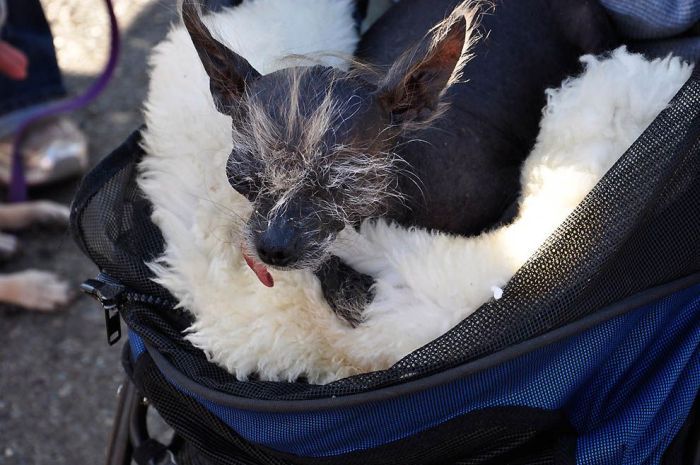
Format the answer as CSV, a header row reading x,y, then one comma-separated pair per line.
x,y
286,406
685,447
93,181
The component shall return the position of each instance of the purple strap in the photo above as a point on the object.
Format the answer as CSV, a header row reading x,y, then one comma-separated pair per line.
x,y
18,182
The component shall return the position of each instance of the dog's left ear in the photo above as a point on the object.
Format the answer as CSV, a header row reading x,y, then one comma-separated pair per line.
x,y
228,72
413,87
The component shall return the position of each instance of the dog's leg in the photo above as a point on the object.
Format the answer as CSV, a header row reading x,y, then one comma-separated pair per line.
x,y
346,290
21,215
34,290
8,246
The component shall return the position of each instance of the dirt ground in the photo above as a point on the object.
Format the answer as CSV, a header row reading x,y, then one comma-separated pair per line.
x,y
58,376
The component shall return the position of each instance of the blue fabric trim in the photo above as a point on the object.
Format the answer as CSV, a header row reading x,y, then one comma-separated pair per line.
x,y
626,385
136,344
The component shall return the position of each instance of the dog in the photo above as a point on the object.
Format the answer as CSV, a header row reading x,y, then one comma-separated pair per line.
x,y
31,289
435,142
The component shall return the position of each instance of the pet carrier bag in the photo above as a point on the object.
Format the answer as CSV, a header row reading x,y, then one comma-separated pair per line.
x,y
592,355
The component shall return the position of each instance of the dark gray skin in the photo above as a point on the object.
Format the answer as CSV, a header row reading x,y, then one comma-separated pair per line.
x,y
468,161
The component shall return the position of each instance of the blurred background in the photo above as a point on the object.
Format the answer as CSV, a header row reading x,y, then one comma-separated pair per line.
x,y
58,376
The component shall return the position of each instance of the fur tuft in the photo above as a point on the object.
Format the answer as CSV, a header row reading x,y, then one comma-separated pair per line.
x,y
288,169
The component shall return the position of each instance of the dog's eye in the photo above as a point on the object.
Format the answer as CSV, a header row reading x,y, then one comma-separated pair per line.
x,y
244,177
247,186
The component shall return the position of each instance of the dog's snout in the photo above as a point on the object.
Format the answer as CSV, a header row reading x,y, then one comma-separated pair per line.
x,y
296,236
277,254
279,244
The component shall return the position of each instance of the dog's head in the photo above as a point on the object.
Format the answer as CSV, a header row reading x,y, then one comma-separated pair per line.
x,y
312,145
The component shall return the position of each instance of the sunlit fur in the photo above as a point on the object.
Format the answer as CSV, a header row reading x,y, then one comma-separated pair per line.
x,y
363,176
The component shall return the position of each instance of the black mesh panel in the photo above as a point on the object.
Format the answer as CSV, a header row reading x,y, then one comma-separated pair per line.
x,y
111,220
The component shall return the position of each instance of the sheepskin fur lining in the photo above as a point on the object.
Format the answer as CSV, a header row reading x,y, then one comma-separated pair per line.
x,y
426,282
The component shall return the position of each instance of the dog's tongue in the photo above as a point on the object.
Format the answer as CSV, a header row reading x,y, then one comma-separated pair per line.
x,y
259,269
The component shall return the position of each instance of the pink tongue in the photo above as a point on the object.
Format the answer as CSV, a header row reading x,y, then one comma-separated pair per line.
x,y
259,269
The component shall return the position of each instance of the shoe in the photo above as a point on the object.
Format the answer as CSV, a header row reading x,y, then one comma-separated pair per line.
x,y
53,150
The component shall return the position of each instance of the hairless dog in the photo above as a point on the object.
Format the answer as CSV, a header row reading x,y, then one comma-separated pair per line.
x,y
432,134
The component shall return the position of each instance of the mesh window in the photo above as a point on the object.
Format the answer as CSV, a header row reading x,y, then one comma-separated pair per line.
x,y
111,220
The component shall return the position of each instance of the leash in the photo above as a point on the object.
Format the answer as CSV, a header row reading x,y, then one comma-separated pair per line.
x,y
18,183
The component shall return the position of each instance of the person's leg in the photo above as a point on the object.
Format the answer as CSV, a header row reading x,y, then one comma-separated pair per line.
x,y
26,29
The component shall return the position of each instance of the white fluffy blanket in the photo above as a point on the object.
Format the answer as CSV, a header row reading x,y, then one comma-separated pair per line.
x,y
425,282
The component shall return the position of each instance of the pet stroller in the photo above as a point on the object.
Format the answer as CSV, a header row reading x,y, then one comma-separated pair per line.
x,y
592,355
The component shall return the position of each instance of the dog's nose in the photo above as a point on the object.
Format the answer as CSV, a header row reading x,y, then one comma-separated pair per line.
x,y
278,245
276,255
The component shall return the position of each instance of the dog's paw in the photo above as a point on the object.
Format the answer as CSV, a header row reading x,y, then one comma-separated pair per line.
x,y
346,290
47,212
8,245
37,290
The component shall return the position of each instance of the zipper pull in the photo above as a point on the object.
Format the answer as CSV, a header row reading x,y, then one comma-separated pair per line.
x,y
109,295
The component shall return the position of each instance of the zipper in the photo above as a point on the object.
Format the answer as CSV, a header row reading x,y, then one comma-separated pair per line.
x,y
148,299
112,296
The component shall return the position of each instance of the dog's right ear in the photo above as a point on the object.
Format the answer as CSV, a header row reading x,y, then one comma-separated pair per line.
x,y
228,72
412,90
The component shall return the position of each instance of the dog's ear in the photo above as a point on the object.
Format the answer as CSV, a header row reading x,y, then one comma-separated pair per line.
x,y
412,89
228,72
